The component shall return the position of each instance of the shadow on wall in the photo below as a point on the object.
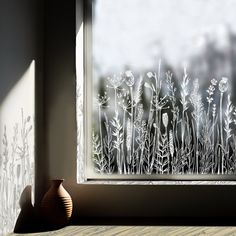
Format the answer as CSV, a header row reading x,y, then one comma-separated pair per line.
x,y
30,219
17,42
26,216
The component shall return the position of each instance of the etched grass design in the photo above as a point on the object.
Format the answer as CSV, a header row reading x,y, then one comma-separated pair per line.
x,y
164,125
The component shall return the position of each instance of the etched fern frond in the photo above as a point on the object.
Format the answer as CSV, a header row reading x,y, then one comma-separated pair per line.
x,y
162,161
117,132
148,156
118,140
98,159
96,145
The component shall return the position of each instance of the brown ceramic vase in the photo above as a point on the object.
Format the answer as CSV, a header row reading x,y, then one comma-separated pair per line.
x,y
56,205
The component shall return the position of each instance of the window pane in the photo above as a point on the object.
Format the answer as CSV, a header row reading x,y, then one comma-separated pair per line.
x,y
163,80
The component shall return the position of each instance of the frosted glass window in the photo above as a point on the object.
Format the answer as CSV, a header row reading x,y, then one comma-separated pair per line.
x,y
162,80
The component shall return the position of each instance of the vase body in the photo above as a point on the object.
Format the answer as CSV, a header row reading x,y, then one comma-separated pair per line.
x,y
57,205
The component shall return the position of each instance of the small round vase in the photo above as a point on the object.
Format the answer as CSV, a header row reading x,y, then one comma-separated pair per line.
x,y
57,205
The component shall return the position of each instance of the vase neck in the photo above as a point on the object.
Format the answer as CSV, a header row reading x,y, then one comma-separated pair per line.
x,y
57,182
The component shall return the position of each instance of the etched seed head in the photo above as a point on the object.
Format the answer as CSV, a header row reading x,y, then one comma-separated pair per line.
x,y
214,110
150,75
140,112
211,90
214,82
165,119
115,81
102,99
129,78
223,85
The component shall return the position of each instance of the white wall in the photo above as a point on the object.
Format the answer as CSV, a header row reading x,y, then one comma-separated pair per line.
x,y
19,59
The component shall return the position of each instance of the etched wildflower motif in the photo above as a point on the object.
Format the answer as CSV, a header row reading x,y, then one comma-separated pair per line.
x,y
209,99
223,85
102,100
150,75
115,81
210,92
124,104
165,119
144,126
140,112
214,82
129,78
147,85
160,103
214,110
156,126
